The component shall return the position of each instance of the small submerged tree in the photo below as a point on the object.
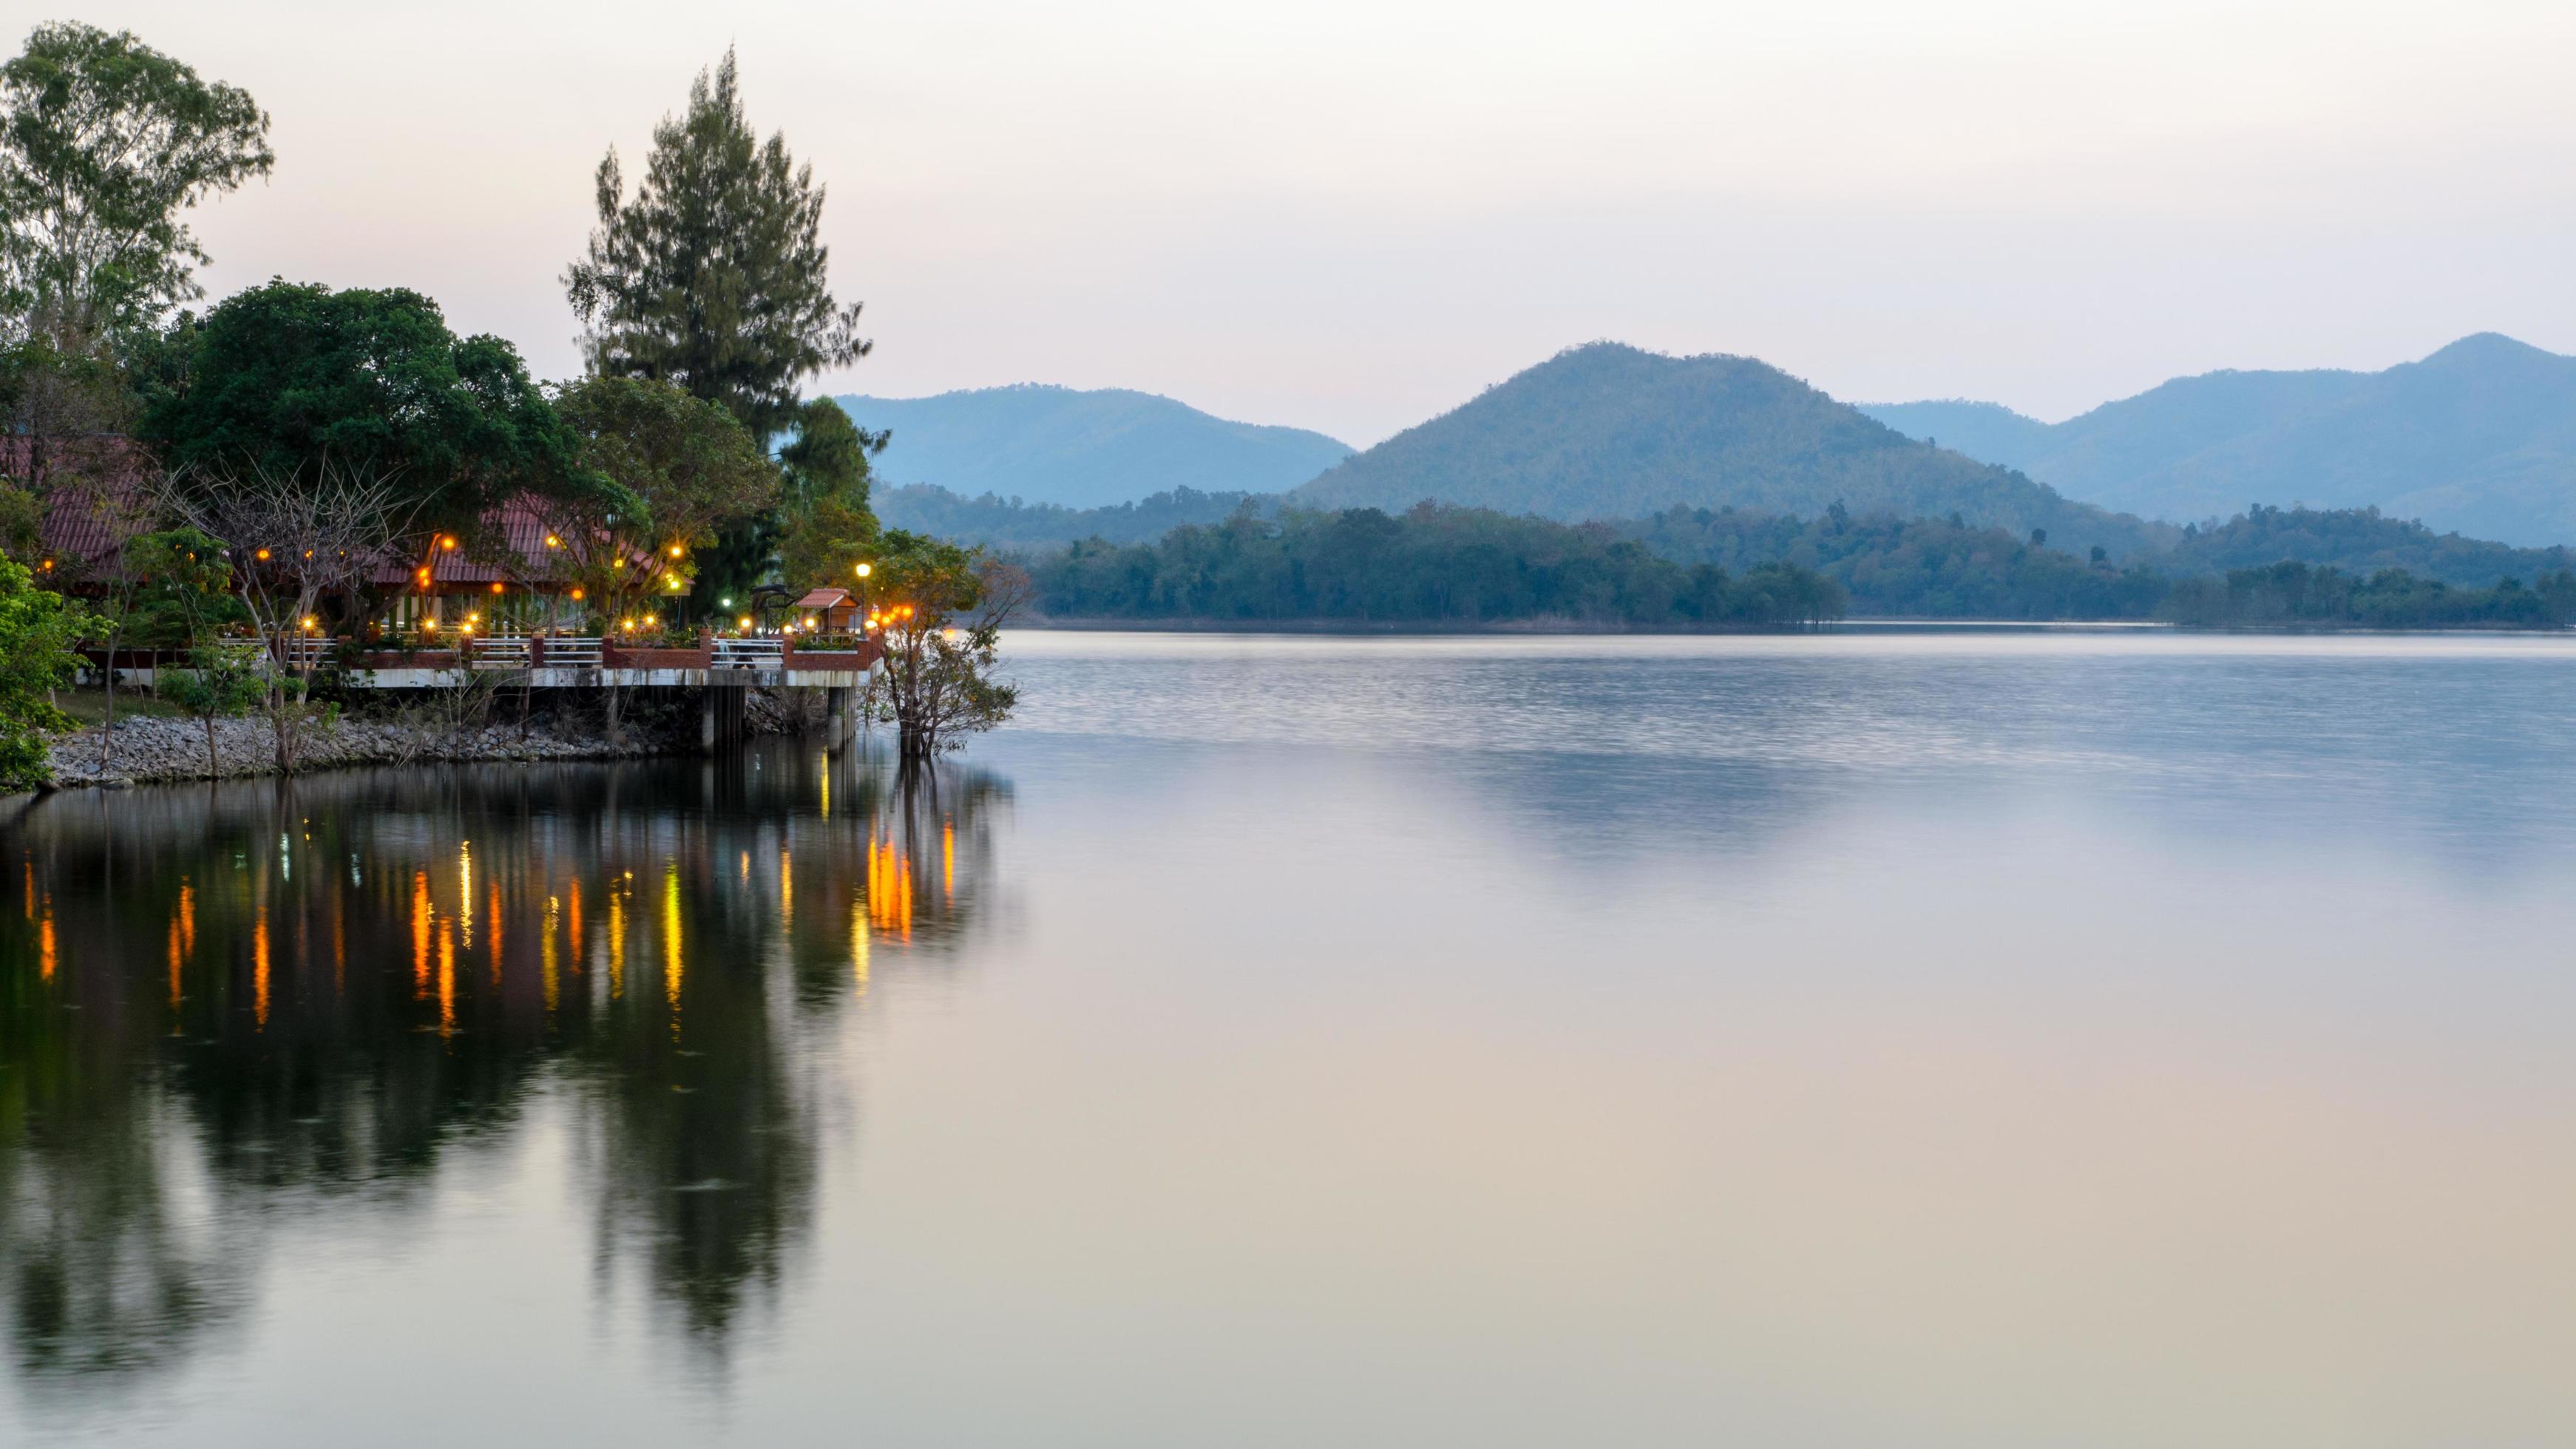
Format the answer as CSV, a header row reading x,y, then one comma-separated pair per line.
x,y
942,613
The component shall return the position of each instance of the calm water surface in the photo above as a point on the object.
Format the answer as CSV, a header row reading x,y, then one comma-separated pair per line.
x,y
1863,1040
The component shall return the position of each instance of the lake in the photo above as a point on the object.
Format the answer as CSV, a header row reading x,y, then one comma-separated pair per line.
x,y
1893,1039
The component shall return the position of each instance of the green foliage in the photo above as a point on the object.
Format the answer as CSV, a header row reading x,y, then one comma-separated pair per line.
x,y
1433,564
829,523
37,631
104,142
943,608
183,590
689,469
2293,594
22,516
1611,432
712,274
1933,568
2360,540
65,396
285,376
1921,568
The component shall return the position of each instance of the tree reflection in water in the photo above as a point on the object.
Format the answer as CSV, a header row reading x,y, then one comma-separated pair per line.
x,y
220,1006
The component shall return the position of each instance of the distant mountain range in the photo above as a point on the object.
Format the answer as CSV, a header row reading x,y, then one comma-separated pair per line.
x,y
1082,449
1609,431
2480,437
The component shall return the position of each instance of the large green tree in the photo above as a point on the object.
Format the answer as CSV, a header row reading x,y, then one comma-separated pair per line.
x,y
681,471
104,144
712,274
828,524
286,377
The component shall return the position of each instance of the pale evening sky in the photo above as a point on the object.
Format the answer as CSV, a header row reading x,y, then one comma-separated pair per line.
x,y
1350,216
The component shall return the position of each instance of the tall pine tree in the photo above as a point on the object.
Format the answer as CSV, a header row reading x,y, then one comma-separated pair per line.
x,y
712,276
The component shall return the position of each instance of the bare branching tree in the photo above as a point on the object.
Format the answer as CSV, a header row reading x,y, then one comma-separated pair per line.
x,y
295,539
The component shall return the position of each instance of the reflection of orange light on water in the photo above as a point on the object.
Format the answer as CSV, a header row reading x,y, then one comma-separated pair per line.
x,y
546,953
671,939
874,886
947,859
465,889
786,889
174,962
859,946
447,977
572,920
420,914
889,889
259,967
188,918
339,950
616,943
746,865
492,899
45,942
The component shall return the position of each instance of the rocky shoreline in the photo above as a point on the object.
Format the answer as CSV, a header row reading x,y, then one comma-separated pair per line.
x,y
156,750
146,751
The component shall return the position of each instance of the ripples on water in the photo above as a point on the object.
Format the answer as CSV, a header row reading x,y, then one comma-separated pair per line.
x,y
1939,1039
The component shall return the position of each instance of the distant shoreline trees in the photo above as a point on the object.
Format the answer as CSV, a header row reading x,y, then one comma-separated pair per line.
x,y
1433,564
1700,569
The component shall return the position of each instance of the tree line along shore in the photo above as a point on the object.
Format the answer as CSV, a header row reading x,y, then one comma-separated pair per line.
x,y
1450,566
296,476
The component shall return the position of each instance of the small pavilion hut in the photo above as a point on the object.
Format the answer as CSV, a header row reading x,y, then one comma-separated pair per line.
x,y
830,610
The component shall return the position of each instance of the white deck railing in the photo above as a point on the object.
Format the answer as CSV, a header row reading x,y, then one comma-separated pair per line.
x,y
498,651
572,651
748,654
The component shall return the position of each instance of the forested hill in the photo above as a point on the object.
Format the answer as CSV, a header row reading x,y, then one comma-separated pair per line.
x,y
1609,431
2361,540
1013,523
2480,437
1082,449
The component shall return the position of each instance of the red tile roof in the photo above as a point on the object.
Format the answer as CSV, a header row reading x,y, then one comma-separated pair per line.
x,y
824,598
95,502
510,549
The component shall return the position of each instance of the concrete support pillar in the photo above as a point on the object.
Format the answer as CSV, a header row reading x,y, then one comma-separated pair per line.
x,y
707,721
841,716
